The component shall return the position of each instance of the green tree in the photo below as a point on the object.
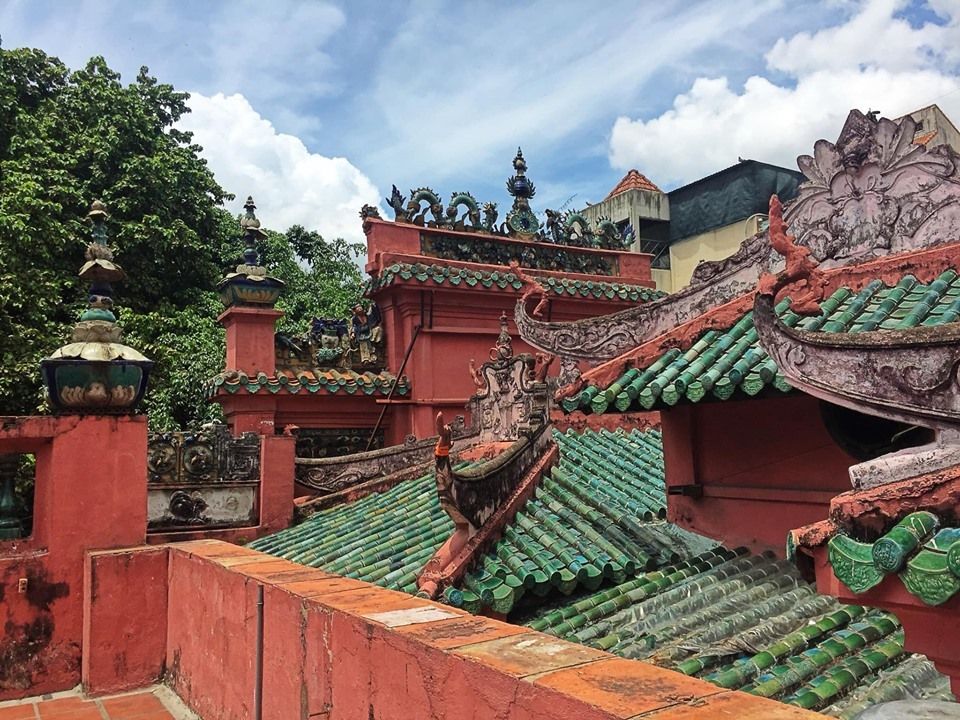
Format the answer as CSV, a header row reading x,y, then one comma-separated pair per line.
x,y
67,137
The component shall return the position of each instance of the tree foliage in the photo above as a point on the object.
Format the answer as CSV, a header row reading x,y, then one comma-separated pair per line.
x,y
68,137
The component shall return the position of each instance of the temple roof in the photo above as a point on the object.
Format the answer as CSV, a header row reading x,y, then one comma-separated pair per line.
x,y
725,363
307,381
589,560
633,180
449,274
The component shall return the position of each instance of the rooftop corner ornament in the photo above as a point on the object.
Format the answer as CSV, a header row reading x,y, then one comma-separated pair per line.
x,y
95,372
906,375
250,284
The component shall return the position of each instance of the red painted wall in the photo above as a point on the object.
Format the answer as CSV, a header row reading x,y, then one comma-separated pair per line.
x,y
90,494
124,619
458,322
763,466
330,653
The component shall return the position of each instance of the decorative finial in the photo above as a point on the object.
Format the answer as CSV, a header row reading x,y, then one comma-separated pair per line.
x,y
99,270
521,220
251,232
519,164
250,284
96,372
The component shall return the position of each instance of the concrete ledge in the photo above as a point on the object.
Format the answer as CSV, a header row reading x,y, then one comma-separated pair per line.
x,y
340,648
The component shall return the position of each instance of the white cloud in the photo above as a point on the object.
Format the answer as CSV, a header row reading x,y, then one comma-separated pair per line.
x,y
290,184
450,98
872,61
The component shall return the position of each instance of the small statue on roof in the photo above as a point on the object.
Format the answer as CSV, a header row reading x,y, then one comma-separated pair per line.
x,y
366,332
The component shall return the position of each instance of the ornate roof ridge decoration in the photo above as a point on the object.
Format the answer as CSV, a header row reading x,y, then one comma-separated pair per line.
x,y
512,407
333,474
250,284
509,279
872,193
926,558
463,213
356,344
96,372
906,375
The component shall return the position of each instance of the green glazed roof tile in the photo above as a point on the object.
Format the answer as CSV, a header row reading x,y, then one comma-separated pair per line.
x,y
724,363
926,558
384,538
441,274
308,382
590,559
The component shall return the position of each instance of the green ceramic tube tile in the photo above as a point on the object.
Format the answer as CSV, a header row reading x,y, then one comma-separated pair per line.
x,y
723,621
719,650
840,322
891,551
740,673
795,670
906,680
844,676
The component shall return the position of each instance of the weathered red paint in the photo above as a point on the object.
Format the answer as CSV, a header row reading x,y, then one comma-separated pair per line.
x,y
458,323
90,494
124,619
750,470
579,421
250,346
330,652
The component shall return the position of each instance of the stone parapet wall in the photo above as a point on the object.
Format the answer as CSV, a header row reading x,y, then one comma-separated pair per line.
x,y
335,648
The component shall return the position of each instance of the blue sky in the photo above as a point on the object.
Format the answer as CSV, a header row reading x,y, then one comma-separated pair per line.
x,y
318,107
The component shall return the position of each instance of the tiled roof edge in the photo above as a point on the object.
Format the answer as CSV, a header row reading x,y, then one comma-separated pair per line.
x,y
507,279
925,265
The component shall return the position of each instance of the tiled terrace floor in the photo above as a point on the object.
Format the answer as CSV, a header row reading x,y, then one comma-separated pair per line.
x,y
158,704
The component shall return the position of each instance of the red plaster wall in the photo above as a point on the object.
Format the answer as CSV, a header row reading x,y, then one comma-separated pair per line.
x,y
211,637
763,466
325,659
124,619
458,324
250,345
90,494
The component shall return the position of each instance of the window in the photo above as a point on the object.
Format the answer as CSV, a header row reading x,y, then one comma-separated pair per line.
x,y
16,495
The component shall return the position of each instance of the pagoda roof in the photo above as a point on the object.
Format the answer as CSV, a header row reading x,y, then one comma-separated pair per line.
x,y
453,275
591,561
633,180
693,365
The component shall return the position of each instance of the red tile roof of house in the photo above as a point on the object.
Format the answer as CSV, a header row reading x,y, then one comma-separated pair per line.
x,y
633,180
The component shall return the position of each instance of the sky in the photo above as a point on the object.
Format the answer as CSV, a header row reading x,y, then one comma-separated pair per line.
x,y
316,108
